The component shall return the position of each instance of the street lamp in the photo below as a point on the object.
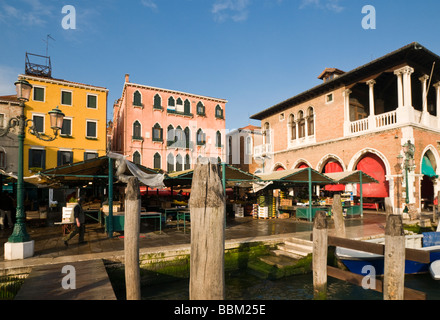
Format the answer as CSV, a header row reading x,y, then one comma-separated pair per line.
x,y
408,164
24,88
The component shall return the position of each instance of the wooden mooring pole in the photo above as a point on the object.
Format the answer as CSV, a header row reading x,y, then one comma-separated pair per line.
x,y
319,261
394,272
131,239
207,206
338,217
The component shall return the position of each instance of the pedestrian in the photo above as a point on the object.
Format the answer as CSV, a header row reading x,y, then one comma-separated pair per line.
x,y
78,225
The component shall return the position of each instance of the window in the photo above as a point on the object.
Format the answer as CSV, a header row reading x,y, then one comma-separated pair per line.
x,y
218,140
38,121
90,155
157,133
186,132
170,163
137,99
301,125
179,105
282,117
37,158
179,137
201,138
292,127
64,157
39,93
92,101
179,163
200,109
329,98
187,162
171,103
266,133
187,107
137,134
310,122
66,98
218,112
157,161
157,102
2,159
66,130
248,150
136,157
91,129
170,135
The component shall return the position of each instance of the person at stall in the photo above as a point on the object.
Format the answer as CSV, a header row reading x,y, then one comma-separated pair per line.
x,y
79,223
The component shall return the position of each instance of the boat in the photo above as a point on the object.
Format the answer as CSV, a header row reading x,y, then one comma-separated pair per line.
x,y
434,269
356,261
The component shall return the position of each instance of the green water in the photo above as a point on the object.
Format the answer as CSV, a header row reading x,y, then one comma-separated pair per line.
x,y
244,286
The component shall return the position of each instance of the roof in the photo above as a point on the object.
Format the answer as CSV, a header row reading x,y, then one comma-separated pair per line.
x,y
330,71
413,53
296,175
351,177
10,98
61,82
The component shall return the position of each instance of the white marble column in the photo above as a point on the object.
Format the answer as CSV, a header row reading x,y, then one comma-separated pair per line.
x,y
346,95
405,110
425,114
371,117
407,72
398,73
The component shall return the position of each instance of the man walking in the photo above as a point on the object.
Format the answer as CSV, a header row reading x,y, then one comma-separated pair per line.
x,y
79,223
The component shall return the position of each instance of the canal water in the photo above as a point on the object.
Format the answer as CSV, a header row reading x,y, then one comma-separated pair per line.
x,y
244,286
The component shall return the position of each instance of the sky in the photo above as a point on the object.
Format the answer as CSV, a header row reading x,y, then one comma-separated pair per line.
x,y
253,53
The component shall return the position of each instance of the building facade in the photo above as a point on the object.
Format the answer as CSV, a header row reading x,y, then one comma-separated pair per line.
x,y
360,120
9,108
166,129
83,135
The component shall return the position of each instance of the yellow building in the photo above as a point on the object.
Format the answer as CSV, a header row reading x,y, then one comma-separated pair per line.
x,y
83,135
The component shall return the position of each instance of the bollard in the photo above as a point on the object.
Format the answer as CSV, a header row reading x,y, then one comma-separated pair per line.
x,y
338,216
394,272
320,250
131,239
207,209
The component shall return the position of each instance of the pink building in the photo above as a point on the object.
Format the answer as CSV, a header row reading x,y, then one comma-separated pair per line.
x,y
167,129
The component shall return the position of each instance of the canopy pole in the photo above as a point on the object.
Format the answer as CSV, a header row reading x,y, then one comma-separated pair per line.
x,y
224,176
110,198
310,194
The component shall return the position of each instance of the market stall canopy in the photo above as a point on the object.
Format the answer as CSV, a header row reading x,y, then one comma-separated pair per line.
x,y
296,175
77,173
232,174
427,168
351,177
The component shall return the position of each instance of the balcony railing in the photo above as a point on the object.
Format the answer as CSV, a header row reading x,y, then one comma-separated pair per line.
x,y
386,119
262,150
359,126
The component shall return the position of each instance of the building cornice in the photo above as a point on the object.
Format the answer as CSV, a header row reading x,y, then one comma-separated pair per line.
x,y
63,83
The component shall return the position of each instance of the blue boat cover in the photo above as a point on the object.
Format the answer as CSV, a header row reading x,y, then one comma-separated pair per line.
x,y
431,239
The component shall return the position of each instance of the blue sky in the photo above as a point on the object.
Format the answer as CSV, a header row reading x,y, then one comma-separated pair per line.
x,y
254,53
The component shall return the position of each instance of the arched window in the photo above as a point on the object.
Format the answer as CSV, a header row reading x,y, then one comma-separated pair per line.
x,y
171,103
248,148
136,157
200,109
179,138
187,162
187,133
179,163
218,112
157,161
170,163
310,122
292,127
179,105
137,99
301,125
157,133
157,102
187,107
170,135
218,140
266,133
201,137
137,134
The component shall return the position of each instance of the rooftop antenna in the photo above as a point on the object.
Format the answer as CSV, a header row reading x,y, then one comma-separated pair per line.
x,y
48,37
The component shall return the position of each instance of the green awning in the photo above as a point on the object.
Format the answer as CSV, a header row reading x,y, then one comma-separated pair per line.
x,y
427,168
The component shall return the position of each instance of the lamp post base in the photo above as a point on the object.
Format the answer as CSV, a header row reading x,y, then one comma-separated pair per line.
x,y
19,250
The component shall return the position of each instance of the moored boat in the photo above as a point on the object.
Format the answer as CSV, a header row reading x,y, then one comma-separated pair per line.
x,y
356,261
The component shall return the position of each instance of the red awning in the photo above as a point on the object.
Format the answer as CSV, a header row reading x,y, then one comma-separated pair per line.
x,y
373,166
331,167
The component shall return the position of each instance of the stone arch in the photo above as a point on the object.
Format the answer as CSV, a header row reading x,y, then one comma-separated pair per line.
x,y
321,164
298,163
278,166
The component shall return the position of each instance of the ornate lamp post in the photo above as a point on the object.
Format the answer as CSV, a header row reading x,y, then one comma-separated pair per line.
x,y
408,164
24,88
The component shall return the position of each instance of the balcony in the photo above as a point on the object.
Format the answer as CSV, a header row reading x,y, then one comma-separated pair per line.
x,y
263,150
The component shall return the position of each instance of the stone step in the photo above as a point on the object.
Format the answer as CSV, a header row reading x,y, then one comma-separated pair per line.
x,y
280,261
292,255
295,247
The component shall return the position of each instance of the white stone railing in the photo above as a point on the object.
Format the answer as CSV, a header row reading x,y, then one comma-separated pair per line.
x,y
262,150
359,126
386,119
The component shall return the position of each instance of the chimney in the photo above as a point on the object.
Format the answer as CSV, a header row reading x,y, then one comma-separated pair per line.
x,y
127,77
